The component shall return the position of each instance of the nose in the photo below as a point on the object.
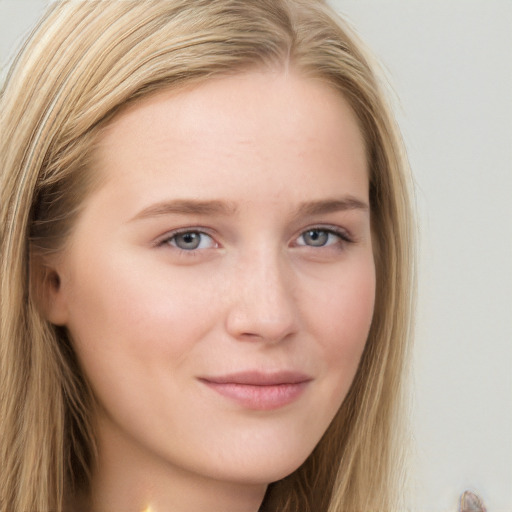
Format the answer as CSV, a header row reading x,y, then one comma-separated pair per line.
x,y
263,304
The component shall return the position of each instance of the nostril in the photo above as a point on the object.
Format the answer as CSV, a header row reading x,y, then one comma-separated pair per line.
x,y
250,322
261,301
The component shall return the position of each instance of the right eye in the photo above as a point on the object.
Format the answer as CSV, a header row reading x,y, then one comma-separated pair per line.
x,y
190,240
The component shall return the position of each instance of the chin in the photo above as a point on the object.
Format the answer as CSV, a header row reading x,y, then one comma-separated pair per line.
x,y
265,470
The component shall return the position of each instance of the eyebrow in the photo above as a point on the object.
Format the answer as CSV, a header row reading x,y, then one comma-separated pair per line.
x,y
311,208
216,207
187,207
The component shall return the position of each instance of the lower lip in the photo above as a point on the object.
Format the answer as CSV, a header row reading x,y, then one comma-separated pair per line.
x,y
262,398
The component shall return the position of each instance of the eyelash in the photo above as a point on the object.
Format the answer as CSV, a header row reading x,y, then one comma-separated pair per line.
x,y
343,238
341,234
166,242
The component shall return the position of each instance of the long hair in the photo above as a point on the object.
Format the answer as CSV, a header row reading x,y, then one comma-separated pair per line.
x,y
84,62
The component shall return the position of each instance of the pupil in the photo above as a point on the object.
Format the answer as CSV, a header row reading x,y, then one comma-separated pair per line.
x,y
316,237
189,240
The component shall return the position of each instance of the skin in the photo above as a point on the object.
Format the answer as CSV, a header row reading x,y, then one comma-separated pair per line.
x,y
272,286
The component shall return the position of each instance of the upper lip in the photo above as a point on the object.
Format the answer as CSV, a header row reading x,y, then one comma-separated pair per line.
x,y
259,378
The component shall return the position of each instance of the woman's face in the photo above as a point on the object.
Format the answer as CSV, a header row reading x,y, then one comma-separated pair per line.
x,y
219,285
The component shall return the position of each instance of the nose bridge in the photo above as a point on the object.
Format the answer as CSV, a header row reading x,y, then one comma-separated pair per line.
x,y
263,306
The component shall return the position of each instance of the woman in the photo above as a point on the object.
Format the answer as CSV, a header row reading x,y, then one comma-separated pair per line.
x,y
206,263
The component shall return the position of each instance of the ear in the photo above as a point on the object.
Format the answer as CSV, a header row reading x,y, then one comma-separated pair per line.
x,y
48,292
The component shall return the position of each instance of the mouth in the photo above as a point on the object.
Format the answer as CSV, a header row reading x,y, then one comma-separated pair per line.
x,y
258,390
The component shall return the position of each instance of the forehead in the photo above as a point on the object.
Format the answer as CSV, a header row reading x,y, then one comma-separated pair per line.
x,y
275,125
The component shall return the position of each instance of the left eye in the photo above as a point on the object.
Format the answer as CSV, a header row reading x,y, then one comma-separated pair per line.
x,y
191,240
318,237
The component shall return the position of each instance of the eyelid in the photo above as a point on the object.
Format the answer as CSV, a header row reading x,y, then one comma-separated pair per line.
x,y
165,239
342,233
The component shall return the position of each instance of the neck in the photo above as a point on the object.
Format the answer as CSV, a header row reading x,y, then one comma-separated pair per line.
x,y
174,498
171,493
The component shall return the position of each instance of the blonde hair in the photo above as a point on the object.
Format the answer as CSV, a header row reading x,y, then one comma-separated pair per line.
x,y
85,61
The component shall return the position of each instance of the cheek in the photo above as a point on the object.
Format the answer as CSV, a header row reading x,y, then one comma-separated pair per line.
x,y
344,314
346,302
126,321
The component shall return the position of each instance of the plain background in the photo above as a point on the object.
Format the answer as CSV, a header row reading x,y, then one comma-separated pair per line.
x,y
450,65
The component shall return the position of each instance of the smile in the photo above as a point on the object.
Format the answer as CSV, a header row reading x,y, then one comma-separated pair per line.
x,y
260,391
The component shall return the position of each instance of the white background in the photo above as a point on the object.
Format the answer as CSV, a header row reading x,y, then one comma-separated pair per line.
x,y
450,64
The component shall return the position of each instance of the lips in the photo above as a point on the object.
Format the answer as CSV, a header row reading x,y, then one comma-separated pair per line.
x,y
258,390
